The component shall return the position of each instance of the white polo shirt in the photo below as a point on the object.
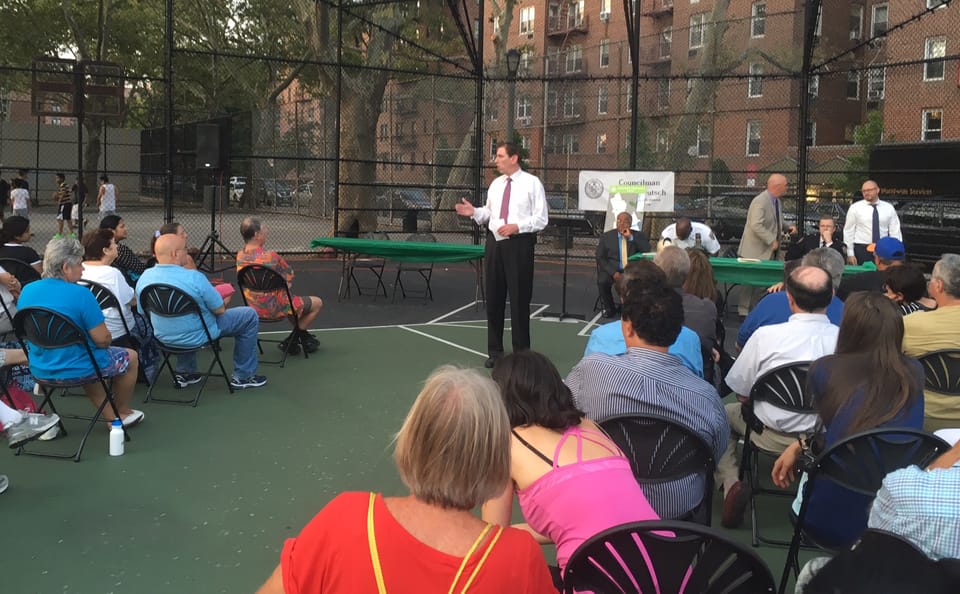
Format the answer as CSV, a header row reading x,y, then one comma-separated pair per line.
x,y
707,238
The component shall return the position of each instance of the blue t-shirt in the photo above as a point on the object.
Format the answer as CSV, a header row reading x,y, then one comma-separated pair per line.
x,y
77,304
183,331
775,309
608,339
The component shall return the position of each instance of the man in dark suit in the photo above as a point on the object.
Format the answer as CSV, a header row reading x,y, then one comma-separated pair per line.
x,y
826,236
615,248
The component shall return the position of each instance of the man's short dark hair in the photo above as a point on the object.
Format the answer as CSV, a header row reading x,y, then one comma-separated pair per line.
x,y
110,221
655,312
684,228
811,292
511,148
60,175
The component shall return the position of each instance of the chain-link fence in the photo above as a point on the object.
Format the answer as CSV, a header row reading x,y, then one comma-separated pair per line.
x,y
326,117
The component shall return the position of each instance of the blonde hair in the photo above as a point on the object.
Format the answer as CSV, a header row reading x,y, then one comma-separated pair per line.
x,y
453,449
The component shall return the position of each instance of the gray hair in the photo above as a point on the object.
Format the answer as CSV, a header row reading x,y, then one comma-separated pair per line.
x,y
828,259
249,227
65,250
947,270
675,263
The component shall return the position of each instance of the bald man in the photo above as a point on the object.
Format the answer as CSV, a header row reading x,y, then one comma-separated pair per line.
x,y
185,332
761,234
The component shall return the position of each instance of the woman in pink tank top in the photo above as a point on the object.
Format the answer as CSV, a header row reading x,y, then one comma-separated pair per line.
x,y
571,480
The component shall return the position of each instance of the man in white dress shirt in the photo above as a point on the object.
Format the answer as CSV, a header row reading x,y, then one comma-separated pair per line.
x,y
869,220
684,234
515,211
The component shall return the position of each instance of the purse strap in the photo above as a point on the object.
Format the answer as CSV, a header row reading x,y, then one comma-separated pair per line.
x,y
378,570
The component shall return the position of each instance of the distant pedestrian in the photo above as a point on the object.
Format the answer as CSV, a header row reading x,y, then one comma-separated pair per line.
x,y
22,176
79,197
64,206
4,194
20,199
107,197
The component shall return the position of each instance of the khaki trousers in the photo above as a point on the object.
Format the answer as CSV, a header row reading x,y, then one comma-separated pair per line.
x,y
772,441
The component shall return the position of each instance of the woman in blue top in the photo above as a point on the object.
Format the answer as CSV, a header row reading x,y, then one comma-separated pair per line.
x,y
867,384
58,290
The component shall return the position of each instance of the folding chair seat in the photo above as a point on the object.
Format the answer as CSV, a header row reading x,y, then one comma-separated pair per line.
x,y
859,464
167,301
665,556
48,329
661,450
262,279
424,269
354,262
784,387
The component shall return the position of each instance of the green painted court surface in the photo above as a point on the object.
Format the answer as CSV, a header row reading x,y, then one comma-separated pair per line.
x,y
203,498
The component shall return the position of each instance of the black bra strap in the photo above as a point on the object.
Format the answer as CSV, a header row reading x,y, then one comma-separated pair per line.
x,y
532,449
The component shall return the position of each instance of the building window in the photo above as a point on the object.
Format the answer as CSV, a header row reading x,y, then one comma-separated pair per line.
x,y
758,19
526,19
604,10
571,144
856,21
755,83
753,138
524,107
697,22
690,83
813,87
811,134
935,3
575,15
602,100
496,24
853,85
629,97
818,29
571,104
876,81
932,124
601,143
553,105
663,140
604,53
703,140
933,48
663,93
493,148
384,129
878,22
666,42
553,61
574,58
525,142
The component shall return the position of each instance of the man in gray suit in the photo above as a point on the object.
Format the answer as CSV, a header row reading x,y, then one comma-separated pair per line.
x,y
761,234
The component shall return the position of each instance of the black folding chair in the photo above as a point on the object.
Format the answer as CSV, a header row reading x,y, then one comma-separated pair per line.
x,y
941,372
24,272
784,387
106,299
167,301
665,556
424,269
354,262
48,329
859,464
660,450
260,279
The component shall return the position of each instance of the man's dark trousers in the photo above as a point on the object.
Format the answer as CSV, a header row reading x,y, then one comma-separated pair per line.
x,y
509,269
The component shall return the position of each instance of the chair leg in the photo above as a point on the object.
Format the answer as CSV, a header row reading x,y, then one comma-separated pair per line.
x,y
398,284
793,561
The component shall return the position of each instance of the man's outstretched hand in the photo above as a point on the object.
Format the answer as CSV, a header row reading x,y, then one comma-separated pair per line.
x,y
464,208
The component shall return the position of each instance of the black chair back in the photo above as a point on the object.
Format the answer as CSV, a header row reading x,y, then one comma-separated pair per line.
x,y
48,329
105,299
784,387
260,278
665,556
24,272
941,372
168,301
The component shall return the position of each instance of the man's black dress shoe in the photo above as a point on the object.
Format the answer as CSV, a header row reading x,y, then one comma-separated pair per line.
x,y
490,362
608,313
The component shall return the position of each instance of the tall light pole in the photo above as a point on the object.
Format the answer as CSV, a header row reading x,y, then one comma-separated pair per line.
x,y
513,64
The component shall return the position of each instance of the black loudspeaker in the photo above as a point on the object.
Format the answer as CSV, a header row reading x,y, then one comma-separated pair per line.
x,y
208,146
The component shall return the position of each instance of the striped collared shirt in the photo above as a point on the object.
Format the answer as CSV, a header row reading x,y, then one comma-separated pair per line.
x,y
643,381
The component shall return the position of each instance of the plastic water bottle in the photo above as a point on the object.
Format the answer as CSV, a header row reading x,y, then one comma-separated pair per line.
x,y
116,438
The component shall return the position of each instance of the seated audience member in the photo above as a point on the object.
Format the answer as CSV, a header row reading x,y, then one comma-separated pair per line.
x,y
923,506
806,336
453,454
100,250
274,305
906,286
19,427
825,237
774,307
608,338
867,384
126,261
175,228
571,481
614,250
646,379
700,282
887,253
938,330
700,315
16,233
58,290
238,322
686,234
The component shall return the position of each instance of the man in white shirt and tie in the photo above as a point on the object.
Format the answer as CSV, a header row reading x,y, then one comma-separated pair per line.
x,y
867,221
515,211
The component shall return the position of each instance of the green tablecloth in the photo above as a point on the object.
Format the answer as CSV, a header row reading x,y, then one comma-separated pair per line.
x,y
403,251
758,274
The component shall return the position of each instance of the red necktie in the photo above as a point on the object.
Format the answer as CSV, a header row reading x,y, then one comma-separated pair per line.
x,y
505,202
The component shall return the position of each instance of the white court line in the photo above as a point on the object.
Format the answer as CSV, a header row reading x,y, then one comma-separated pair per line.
x,y
459,325
534,314
590,324
447,315
446,342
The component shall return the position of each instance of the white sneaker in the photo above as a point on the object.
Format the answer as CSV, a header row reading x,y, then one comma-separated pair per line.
x,y
52,433
31,426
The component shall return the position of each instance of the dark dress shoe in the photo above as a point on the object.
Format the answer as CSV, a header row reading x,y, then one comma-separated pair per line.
x,y
491,361
608,313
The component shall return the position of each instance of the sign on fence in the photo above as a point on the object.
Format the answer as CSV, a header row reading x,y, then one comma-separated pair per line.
x,y
635,192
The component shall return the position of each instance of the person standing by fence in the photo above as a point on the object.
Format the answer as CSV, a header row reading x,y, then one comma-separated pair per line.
x,y
107,197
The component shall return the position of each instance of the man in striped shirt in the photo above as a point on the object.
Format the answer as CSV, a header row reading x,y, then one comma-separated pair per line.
x,y
648,380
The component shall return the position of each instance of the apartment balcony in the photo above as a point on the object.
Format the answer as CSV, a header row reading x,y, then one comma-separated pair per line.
x,y
564,25
658,8
566,117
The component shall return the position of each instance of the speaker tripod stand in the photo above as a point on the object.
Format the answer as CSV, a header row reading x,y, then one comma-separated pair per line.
x,y
212,246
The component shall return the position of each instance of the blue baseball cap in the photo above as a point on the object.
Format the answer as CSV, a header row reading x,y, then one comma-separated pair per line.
x,y
888,248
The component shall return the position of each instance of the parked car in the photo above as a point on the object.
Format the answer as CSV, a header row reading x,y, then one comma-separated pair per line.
x,y
237,187
276,193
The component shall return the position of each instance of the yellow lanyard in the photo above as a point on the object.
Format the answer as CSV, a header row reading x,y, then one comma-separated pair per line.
x,y
375,556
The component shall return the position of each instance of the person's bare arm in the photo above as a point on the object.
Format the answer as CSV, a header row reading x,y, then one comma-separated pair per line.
x,y
948,458
274,583
101,336
499,510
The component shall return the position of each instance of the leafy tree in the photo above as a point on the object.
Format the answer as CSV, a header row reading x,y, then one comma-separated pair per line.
x,y
720,174
867,135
